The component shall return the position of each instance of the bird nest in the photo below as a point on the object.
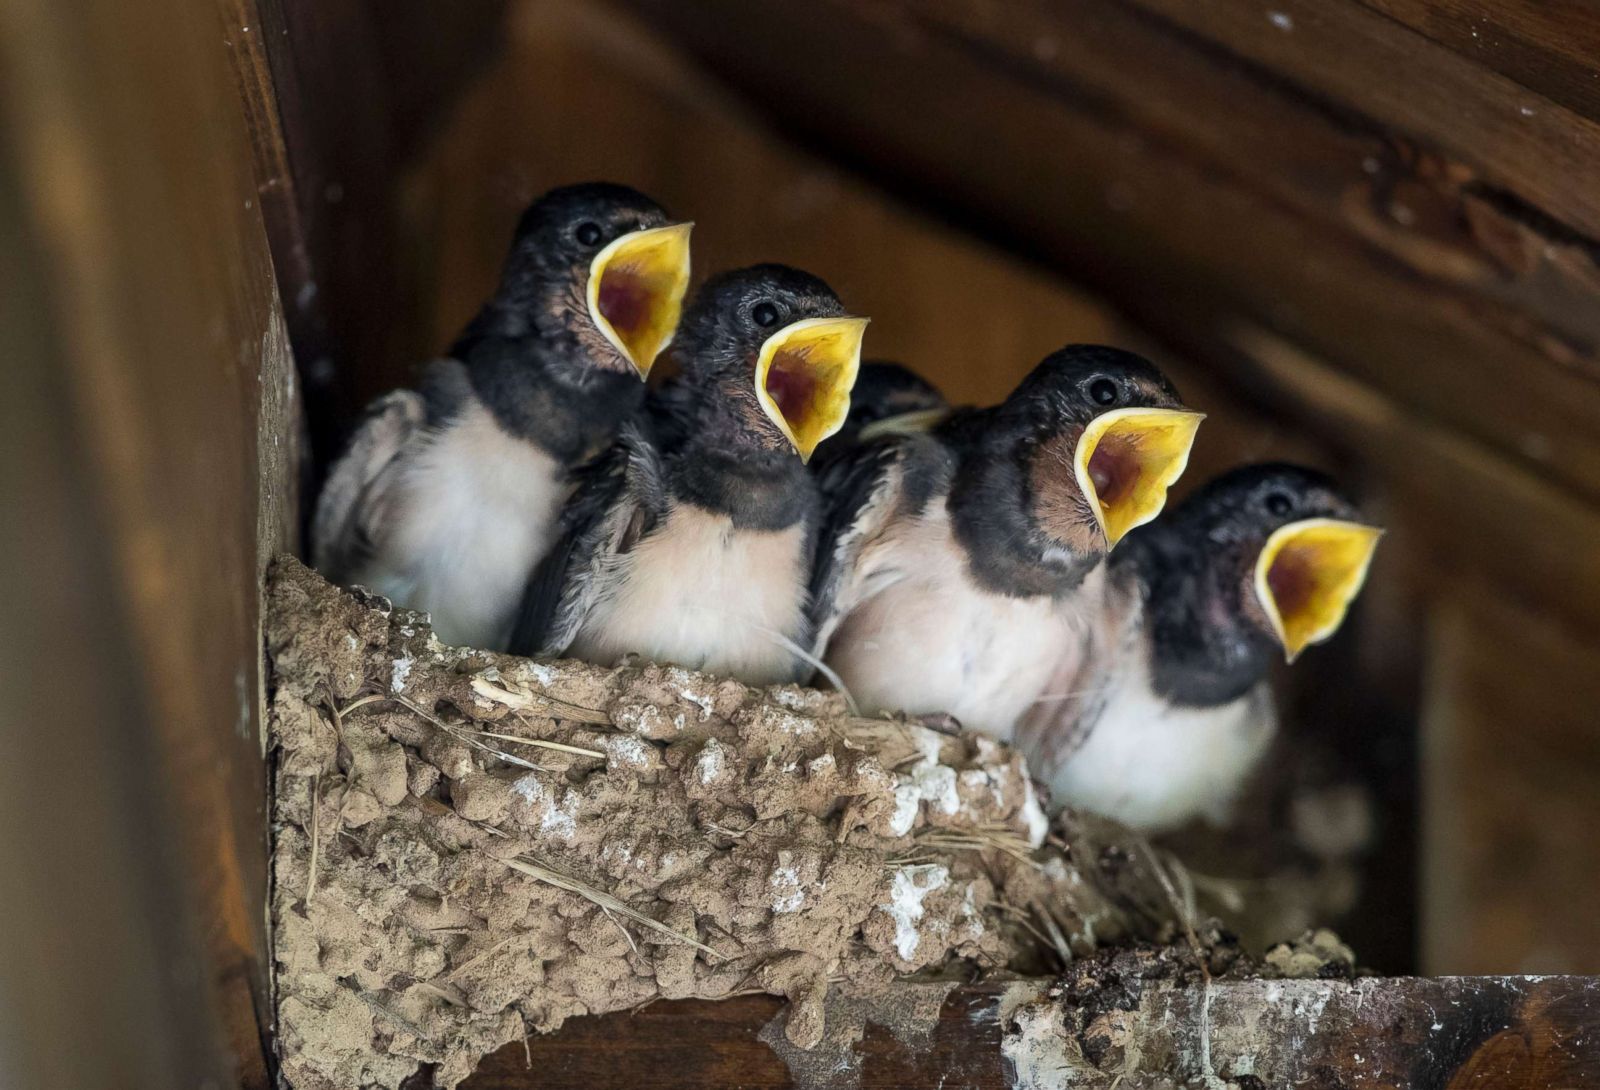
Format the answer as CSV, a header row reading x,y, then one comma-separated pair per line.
x,y
471,847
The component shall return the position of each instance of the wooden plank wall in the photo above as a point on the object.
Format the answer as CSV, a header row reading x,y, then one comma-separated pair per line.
x,y
148,433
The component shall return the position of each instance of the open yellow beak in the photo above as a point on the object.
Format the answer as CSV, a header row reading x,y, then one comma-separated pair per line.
x,y
1307,575
636,289
1127,459
803,378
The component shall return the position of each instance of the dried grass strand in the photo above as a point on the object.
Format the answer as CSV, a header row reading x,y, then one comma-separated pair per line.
x,y
603,899
618,925
449,995
778,639
559,709
980,839
560,747
1057,939
397,1019
340,713
316,838
461,734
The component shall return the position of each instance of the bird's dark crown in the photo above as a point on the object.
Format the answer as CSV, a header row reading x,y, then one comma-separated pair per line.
x,y
1211,639
1073,385
542,287
1016,502
1245,505
720,338
733,313
563,230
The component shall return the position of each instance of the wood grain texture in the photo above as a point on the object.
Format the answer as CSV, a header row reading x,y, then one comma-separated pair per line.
x,y
1511,763
578,94
153,394
697,1043
1236,174
1547,46
1403,1033
1377,68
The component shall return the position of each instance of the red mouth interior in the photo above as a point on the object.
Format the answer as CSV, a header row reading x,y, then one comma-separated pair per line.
x,y
1114,469
793,385
1292,582
624,299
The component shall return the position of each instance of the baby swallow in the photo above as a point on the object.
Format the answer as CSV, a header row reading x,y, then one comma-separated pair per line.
x,y
449,494
1165,711
950,558
887,391
691,543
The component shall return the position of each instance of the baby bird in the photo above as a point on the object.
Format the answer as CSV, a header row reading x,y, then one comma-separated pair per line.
x,y
950,559
1163,713
448,495
691,540
887,391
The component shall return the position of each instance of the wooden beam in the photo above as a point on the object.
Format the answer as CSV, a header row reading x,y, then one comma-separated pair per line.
x,y
1231,177
1444,96
1105,1026
150,437
1549,48
1441,485
699,1043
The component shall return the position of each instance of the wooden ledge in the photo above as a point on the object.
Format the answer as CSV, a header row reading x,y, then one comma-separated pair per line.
x,y
1402,1032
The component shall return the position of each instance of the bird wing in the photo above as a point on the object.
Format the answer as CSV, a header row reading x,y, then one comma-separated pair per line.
x,y
619,497
863,487
357,494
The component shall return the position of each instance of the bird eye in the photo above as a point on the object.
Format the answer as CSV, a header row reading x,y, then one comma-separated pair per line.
x,y
1279,504
588,233
764,315
1103,391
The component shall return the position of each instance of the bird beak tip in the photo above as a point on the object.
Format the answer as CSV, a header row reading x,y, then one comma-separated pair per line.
x,y
804,375
1128,459
1308,574
636,290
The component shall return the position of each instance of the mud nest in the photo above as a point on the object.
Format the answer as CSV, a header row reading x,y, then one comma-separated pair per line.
x,y
473,847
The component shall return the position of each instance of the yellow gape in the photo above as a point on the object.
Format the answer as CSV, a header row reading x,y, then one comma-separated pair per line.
x,y
636,290
803,378
1307,575
1127,459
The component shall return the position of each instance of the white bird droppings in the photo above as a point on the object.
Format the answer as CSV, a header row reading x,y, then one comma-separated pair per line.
x,y
402,670
909,888
708,766
785,883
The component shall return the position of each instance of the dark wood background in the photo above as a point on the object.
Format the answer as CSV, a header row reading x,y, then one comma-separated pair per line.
x,y
148,437
1358,232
